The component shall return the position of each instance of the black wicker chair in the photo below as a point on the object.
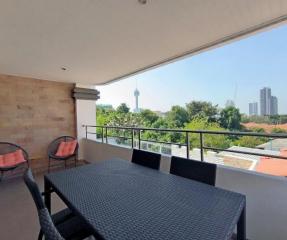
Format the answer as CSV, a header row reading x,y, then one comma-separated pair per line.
x,y
147,159
195,170
6,147
59,226
53,147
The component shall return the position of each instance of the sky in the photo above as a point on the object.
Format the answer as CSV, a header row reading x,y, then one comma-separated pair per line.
x,y
236,71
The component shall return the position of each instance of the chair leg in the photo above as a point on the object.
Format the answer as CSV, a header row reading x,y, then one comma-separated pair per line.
x,y
75,161
65,164
40,235
49,164
1,176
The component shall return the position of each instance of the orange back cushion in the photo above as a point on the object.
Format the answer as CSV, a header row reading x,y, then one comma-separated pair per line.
x,y
12,159
66,148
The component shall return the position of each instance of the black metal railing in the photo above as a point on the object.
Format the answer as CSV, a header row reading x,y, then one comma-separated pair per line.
x,y
135,136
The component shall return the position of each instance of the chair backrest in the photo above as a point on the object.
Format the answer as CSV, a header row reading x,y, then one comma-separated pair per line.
x,y
53,146
199,171
6,147
147,159
46,223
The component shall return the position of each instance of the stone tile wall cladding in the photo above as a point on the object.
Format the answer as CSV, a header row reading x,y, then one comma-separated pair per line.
x,y
34,112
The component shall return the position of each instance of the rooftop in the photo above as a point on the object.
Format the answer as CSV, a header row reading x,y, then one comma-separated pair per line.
x,y
273,166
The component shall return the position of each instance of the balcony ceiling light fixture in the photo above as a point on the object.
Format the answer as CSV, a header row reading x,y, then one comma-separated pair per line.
x,y
143,2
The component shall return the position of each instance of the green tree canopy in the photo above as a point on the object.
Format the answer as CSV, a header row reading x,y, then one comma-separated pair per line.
x,y
148,117
230,118
202,109
210,140
257,129
177,116
250,141
278,130
123,108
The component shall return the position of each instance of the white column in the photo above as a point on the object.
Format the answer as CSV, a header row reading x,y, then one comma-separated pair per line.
x,y
85,115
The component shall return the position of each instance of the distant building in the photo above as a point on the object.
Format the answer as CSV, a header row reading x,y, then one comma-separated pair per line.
x,y
265,101
268,103
136,94
253,109
105,106
274,105
229,103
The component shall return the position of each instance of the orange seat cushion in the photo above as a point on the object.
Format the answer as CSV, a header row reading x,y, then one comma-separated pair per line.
x,y
66,148
12,159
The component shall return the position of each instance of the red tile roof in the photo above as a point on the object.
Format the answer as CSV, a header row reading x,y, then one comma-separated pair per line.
x,y
273,166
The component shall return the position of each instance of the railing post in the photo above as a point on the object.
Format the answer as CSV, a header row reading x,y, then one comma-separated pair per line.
x,y
139,136
86,127
201,146
187,144
106,135
102,134
132,138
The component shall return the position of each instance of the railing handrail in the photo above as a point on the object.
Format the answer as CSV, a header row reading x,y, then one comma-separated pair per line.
x,y
187,143
235,133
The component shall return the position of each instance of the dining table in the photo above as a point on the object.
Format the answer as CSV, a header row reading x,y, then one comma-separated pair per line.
x,y
122,200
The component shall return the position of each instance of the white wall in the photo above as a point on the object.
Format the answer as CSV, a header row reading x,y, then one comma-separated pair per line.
x,y
266,195
85,115
266,198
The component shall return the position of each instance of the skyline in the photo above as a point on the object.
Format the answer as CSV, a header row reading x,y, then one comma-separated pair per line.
x,y
234,72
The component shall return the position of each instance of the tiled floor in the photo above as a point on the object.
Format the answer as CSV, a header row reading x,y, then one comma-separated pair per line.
x,y
18,215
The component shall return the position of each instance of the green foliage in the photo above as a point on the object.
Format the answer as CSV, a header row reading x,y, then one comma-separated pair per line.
x,y
210,140
148,117
177,116
230,118
283,119
278,130
250,141
257,129
161,123
196,115
105,107
123,108
202,109
276,119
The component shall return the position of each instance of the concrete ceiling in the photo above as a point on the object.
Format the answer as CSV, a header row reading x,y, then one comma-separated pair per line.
x,y
99,41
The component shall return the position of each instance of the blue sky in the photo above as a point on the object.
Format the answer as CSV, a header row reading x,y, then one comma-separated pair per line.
x,y
236,71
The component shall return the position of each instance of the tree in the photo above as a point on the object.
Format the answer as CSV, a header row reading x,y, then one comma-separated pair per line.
x,y
250,141
230,118
123,108
275,119
120,119
105,107
278,130
148,117
177,116
202,109
210,140
257,129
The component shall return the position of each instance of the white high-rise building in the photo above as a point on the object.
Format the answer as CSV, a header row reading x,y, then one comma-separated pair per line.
x,y
253,109
274,105
229,103
136,94
268,103
265,101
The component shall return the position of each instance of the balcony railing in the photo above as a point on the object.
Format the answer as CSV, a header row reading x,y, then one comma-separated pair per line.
x,y
134,136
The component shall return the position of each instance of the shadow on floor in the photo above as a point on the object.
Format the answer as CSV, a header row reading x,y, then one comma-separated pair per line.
x,y
18,215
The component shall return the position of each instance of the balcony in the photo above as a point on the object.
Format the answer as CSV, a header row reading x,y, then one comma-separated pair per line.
x,y
260,188
54,53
